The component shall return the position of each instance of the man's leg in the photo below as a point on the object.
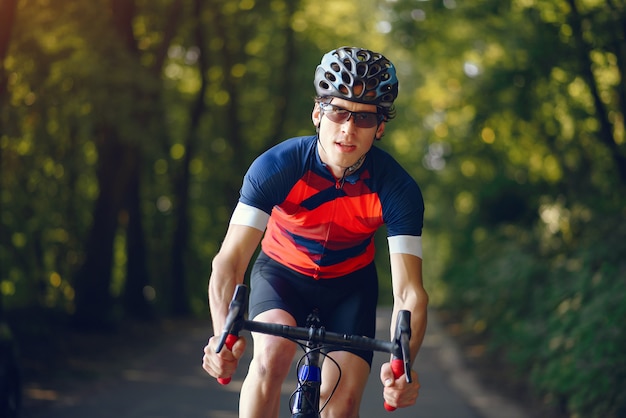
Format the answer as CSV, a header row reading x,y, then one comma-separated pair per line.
x,y
346,400
271,362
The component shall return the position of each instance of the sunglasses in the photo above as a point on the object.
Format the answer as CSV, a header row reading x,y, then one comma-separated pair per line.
x,y
340,115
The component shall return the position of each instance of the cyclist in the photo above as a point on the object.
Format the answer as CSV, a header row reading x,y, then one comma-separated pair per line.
x,y
314,204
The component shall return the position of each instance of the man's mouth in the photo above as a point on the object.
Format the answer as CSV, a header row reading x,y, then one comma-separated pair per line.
x,y
345,147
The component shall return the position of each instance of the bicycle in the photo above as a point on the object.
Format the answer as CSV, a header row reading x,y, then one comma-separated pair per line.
x,y
304,402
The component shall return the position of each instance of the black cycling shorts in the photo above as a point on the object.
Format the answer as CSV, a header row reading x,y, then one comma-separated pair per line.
x,y
346,304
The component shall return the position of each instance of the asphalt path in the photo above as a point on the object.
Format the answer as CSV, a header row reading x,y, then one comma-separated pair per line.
x,y
170,383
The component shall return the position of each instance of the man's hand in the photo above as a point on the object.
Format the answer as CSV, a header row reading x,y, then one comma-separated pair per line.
x,y
397,392
224,364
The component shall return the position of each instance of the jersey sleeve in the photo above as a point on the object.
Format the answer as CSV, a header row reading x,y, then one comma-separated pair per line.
x,y
406,215
402,202
272,175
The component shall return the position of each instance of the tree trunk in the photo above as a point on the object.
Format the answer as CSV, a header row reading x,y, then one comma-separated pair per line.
x,y
605,135
117,162
135,299
93,300
7,17
180,240
8,11
285,83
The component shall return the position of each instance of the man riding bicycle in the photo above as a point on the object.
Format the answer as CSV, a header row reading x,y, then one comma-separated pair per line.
x,y
314,204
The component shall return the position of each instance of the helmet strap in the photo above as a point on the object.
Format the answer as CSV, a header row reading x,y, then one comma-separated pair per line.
x,y
356,165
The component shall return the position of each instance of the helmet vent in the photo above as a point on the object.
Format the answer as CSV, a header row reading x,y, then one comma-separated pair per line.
x,y
363,56
361,69
374,70
388,97
371,84
359,88
348,64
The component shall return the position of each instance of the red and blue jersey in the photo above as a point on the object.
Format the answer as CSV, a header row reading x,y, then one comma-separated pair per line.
x,y
321,226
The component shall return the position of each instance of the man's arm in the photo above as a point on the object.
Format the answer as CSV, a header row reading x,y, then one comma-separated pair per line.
x,y
228,269
409,294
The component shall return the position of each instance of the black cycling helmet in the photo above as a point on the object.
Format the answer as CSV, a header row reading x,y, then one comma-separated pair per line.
x,y
358,75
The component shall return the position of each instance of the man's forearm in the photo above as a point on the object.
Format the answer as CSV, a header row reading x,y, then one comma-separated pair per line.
x,y
419,319
221,288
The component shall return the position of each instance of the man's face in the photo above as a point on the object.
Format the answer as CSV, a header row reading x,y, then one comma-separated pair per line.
x,y
342,144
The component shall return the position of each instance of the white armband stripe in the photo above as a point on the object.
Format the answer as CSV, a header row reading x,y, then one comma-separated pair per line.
x,y
249,216
405,244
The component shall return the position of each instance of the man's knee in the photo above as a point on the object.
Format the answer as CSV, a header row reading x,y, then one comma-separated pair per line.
x,y
343,402
272,357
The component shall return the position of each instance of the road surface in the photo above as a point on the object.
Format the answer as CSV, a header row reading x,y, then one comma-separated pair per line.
x,y
170,383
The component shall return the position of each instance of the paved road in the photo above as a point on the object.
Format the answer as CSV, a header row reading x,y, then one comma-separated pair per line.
x,y
169,383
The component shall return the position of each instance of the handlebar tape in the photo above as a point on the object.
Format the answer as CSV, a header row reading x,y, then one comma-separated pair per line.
x,y
397,366
230,342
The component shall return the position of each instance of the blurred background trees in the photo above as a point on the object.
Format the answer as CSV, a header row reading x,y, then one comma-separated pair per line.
x,y
126,127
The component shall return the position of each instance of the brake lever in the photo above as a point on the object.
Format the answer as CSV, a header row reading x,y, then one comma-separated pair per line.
x,y
406,355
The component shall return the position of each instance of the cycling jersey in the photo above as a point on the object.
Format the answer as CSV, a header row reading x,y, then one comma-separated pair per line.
x,y
322,226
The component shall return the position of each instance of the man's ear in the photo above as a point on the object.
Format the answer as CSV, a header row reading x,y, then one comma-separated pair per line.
x,y
316,115
380,131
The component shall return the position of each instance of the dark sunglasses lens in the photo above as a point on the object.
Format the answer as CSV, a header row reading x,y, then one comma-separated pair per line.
x,y
337,117
365,120
361,119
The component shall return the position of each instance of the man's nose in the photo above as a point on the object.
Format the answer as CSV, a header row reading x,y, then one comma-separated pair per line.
x,y
350,123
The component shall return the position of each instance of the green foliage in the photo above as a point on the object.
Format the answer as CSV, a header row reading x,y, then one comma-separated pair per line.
x,y
518,113
78,85
558,313
584,340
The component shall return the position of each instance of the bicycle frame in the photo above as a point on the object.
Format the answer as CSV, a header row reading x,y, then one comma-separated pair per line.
x,y
307,395
306,401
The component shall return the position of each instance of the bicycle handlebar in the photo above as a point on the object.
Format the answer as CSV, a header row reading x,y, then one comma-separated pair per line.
x,y
398,347
319,335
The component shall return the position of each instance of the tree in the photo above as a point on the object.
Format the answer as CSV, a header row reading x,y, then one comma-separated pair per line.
x,y
8,10
123,189
180,239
